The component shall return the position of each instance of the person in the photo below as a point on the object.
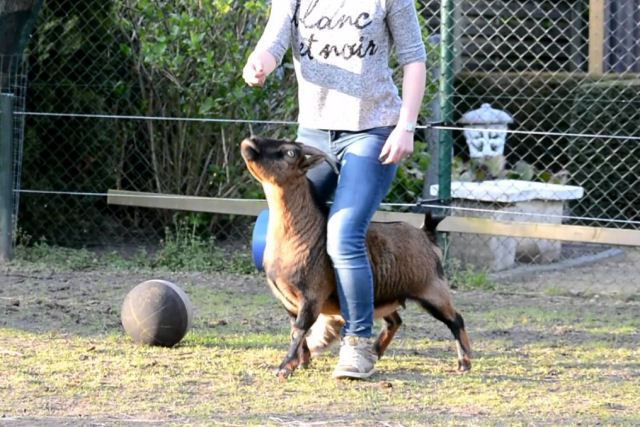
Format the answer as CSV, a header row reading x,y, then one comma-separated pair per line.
x,y
349,107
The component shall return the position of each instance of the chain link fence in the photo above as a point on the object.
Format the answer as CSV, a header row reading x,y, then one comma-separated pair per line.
x,y
129,95
567,73
146,96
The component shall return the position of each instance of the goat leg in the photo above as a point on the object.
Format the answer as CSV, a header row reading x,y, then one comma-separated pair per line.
x,y
446,313
305,355
298,350
391,324
463,345
324,332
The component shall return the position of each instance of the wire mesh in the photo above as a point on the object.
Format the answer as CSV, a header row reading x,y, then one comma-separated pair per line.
x,y
13,81
575,114
129,61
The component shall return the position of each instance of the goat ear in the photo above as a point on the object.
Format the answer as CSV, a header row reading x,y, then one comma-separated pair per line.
x,y
310,160
313,156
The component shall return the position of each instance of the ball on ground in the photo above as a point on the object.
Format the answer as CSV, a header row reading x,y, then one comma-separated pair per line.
x,y
156,312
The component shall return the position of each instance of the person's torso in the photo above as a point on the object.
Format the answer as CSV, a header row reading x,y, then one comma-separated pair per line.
x,y
341,52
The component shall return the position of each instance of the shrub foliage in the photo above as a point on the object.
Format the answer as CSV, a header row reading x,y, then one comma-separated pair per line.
x,y
168,59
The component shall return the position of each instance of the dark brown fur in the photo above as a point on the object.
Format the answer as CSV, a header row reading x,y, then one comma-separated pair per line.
x,y
406,261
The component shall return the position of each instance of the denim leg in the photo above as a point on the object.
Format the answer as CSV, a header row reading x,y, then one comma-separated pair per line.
x,y
323,178
362,184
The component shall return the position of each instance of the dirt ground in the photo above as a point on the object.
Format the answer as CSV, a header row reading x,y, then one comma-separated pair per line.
x,y
87,303
615,275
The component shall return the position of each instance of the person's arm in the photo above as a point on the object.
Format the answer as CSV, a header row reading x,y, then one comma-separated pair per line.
x,y
402,20
259,65
399,145
272,45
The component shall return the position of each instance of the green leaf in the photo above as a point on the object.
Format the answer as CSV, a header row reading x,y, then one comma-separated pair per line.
x,y
207,106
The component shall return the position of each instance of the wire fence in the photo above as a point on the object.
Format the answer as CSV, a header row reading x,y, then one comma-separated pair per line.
x,y
13,80
147,96
574,113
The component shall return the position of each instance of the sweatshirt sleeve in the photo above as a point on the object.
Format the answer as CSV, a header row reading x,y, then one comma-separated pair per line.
x,y
402,20
276,37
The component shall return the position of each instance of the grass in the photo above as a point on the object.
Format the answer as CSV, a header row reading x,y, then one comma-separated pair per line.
x,y
467,278
178,252
539,358
228,379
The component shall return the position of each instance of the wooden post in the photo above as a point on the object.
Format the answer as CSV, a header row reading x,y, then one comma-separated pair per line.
x,y
596,36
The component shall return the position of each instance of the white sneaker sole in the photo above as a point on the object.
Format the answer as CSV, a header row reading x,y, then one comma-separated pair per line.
x,y
351,374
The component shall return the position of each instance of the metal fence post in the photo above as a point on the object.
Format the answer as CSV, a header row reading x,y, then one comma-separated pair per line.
x,y
6,176
445,146
433,135
446,99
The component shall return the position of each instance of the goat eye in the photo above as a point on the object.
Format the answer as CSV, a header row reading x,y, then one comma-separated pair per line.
x,y
290,153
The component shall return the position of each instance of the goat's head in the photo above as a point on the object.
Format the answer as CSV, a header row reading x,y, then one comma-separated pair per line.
x,y
278,162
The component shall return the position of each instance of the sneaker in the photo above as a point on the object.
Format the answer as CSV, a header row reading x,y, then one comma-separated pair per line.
x,y
356,358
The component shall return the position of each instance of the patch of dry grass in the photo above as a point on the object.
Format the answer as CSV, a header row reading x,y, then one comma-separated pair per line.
x,y
538,359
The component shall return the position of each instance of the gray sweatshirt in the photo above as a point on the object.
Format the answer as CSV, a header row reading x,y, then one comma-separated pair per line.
x,y
341,54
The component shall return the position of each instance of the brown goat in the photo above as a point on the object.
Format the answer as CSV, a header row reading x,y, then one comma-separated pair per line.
x,y
406,262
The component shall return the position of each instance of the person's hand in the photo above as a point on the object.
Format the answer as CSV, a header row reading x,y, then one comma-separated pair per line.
x,y
254,73
399,146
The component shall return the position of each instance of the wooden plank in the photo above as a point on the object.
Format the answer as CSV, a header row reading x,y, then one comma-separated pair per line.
x,y
186,203
596,36
563,232
414,219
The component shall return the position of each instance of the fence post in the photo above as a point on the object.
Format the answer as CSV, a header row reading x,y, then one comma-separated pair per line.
x,y
433,135
446,99
6,176
596,36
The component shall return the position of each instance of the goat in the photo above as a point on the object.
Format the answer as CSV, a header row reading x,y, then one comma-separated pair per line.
x,y
405,260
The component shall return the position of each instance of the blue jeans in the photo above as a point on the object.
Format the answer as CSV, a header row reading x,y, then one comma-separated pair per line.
x,y
360,187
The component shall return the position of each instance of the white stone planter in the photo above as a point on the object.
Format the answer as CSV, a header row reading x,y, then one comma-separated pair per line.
x,y
507,201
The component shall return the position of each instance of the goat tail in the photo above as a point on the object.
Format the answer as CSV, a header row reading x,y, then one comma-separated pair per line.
x,y
430,224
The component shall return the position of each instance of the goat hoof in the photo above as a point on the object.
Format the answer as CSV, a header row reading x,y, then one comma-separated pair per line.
x,y
378,350
464,365
283,373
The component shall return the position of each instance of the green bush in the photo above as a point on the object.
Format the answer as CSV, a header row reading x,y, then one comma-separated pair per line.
x,y
139,57
72,68
188,56
184,249
179,59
